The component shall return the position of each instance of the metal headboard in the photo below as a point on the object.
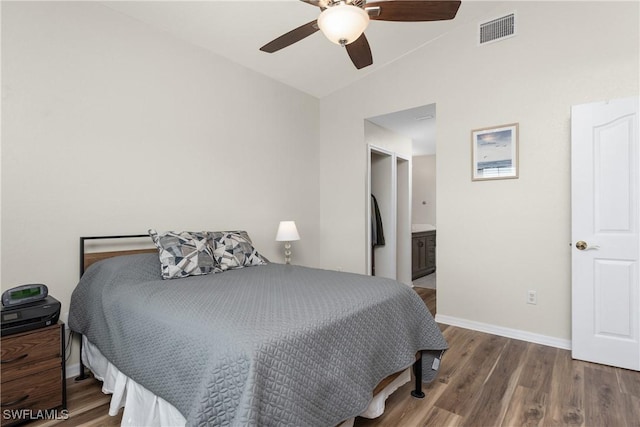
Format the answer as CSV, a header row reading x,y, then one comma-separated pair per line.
x,y
87,259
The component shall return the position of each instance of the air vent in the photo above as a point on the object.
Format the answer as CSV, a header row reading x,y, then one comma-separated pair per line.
x,y
497,29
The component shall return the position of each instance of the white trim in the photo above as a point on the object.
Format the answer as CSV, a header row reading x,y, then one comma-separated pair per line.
x,y
391,236
505,332
73,370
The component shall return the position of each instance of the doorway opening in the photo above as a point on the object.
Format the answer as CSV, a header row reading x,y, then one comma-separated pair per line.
x,y
419,126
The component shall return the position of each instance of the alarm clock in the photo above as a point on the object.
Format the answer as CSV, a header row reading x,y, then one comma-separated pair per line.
x,y
24,294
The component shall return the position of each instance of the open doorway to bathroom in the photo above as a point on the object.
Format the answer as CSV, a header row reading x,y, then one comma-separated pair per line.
x,y
419,124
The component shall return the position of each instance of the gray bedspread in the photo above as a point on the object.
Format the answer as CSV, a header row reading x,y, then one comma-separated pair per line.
x,y
262,346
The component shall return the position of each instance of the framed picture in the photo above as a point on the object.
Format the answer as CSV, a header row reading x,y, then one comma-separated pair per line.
x,y
494,152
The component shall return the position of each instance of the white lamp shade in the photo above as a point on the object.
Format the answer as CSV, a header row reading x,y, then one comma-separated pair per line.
x,y
287,232
343,24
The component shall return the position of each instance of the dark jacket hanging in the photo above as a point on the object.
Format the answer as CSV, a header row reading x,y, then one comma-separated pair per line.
x,y
377,233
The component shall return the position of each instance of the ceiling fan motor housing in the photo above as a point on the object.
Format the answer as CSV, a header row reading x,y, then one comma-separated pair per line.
x,y
323,4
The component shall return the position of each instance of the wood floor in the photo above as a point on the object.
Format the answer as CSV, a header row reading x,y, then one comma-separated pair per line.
x,y
484,380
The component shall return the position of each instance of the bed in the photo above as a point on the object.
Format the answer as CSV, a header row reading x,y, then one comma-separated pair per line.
x,y
266,344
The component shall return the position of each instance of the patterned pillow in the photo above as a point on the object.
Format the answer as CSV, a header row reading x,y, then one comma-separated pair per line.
x,y
217,235
233,249
184,254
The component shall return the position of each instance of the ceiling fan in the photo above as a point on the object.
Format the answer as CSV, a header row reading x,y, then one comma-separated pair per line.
x,y
344,21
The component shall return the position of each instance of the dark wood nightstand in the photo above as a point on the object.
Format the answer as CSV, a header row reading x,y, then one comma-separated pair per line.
x,y
33,375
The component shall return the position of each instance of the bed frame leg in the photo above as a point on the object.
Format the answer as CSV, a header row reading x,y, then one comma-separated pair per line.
x,y
83,375
417,373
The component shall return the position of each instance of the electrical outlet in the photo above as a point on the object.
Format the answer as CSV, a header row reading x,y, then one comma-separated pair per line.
x,y
532,297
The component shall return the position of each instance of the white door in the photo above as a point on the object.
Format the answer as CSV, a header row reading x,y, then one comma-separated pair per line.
x,y
605,204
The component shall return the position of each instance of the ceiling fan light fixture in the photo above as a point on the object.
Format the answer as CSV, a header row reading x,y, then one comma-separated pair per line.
x,y
343,24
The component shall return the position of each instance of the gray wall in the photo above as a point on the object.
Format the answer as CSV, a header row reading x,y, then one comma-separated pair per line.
x,y
424,190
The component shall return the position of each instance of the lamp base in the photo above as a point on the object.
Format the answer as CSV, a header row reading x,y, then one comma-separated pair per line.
x,y
287,253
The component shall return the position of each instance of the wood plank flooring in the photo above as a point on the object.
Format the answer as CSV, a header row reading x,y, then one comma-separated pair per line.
x,y
484,380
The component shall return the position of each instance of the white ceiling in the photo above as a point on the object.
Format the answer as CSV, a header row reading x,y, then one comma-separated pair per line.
x,y
417,123
237,29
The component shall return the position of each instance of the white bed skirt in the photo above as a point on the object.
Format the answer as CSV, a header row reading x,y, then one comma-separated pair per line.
x,y
143,408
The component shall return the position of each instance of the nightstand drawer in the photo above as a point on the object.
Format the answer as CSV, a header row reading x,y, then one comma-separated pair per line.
x,y
29,347
39,392
24,370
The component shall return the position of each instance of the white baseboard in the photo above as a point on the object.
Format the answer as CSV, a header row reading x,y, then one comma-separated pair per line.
x,y
73,370
504,332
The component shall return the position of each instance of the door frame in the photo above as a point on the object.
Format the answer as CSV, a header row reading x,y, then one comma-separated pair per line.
x,y
397,230
373,149
602,332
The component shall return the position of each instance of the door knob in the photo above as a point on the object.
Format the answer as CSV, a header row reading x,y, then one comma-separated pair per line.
x,y
583,246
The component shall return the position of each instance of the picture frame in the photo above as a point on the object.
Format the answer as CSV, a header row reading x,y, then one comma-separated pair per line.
x,y
494,153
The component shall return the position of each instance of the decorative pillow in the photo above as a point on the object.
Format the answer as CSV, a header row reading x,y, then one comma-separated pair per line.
x,y
217,235
184,254
233,249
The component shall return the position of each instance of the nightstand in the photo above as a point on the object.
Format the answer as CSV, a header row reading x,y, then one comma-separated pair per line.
x,y
33,375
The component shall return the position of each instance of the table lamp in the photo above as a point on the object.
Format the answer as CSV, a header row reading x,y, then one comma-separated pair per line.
x,y
287,232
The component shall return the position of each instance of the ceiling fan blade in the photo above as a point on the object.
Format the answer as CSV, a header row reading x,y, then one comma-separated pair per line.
x,y
412,11
291,37
360,52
